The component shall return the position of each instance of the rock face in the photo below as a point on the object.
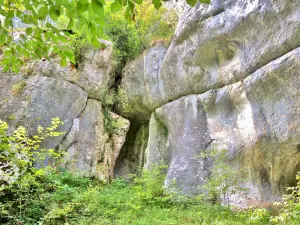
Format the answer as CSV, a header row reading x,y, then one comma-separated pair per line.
x,y
256,120
93,74
91,149
229,80
94,136
214,46
36,100
141,86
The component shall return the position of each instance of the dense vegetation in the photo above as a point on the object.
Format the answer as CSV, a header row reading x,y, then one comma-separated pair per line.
x,y
54,195
62,198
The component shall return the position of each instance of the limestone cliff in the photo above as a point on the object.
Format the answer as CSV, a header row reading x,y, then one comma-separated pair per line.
x,y
45,91
229,80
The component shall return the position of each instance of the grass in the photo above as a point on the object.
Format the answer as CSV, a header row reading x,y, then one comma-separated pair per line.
x,y
64,198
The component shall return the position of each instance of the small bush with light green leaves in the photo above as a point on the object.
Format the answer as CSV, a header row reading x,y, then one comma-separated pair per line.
x,y
19,177
289,213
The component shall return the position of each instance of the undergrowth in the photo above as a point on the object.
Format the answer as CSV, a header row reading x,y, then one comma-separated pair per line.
x,y
53,195
65,198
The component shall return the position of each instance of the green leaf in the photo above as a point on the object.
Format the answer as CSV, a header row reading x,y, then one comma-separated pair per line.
x,y
91,13
49,25
29,31
92,30
97,6
88,34
43,12
204,1
53,37
116,6
4,62
26,19
19,49
26,53
58,2
9,39
2,39
70,55
63,62
131,6
29,7
7,22
82,6
80,24
66,3
14,68
70,24
54,13
96,43
138,1
2,12
100,21
191,2
102,2
62,38
128,14
157,3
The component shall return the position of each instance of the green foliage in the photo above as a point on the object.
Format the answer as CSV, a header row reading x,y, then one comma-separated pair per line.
x,y
149,186
43,35
111,124
19,178
290,207
76,44
61,197
130,38
223,180
54,196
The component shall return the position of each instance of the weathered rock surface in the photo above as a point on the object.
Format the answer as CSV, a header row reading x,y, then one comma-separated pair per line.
x,y
213,46
141,86
257,120
179,6
94,136
227,41
157,152
93,74
36,100
92,150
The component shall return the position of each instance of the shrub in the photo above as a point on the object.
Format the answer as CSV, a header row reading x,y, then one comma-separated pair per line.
x,y
223,180
130,38
19,177
289,213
